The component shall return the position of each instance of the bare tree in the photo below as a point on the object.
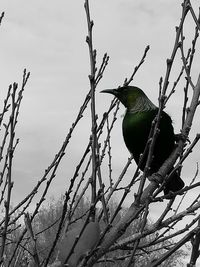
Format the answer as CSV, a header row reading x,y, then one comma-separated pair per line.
x,y
98,235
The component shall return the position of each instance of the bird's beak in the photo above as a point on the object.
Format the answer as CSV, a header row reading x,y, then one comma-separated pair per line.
x,y
110,91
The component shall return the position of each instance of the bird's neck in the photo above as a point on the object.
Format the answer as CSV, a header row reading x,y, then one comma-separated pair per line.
x,y
141,104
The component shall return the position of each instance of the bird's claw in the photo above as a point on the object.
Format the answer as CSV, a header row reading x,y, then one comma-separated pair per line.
x,y
182,137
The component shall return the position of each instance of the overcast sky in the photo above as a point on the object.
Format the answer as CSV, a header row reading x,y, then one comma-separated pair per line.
x,y
48,38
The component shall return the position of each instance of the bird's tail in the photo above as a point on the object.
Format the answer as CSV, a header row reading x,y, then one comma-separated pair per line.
x,y
174,184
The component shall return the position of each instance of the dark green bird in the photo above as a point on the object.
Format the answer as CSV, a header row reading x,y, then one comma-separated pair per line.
x,y
137,123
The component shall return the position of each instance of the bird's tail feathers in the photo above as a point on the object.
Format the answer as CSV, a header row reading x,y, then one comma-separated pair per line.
x,y
174,184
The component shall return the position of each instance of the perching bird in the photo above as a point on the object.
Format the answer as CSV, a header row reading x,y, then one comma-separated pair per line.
x,y
137,122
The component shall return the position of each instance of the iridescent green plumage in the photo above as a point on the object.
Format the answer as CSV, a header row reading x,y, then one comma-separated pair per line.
x,y
136,127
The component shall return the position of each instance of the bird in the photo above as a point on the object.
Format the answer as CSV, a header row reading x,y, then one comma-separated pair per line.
x,y
136,126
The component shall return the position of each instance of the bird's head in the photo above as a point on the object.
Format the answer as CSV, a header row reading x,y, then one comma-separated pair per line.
x,y
128,95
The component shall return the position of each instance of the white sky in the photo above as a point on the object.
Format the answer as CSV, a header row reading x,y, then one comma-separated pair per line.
x,y
48,38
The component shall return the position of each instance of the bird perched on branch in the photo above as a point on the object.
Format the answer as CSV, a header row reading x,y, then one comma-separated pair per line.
x,y
137,123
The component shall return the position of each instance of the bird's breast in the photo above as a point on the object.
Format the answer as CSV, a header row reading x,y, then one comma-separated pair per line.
x,y
136,128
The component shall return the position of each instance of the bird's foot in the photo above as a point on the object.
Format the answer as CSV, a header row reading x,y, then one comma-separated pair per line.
x,y
156,177
182,137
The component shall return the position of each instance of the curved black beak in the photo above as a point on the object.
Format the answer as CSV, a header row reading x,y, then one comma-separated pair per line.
x,y
110,91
